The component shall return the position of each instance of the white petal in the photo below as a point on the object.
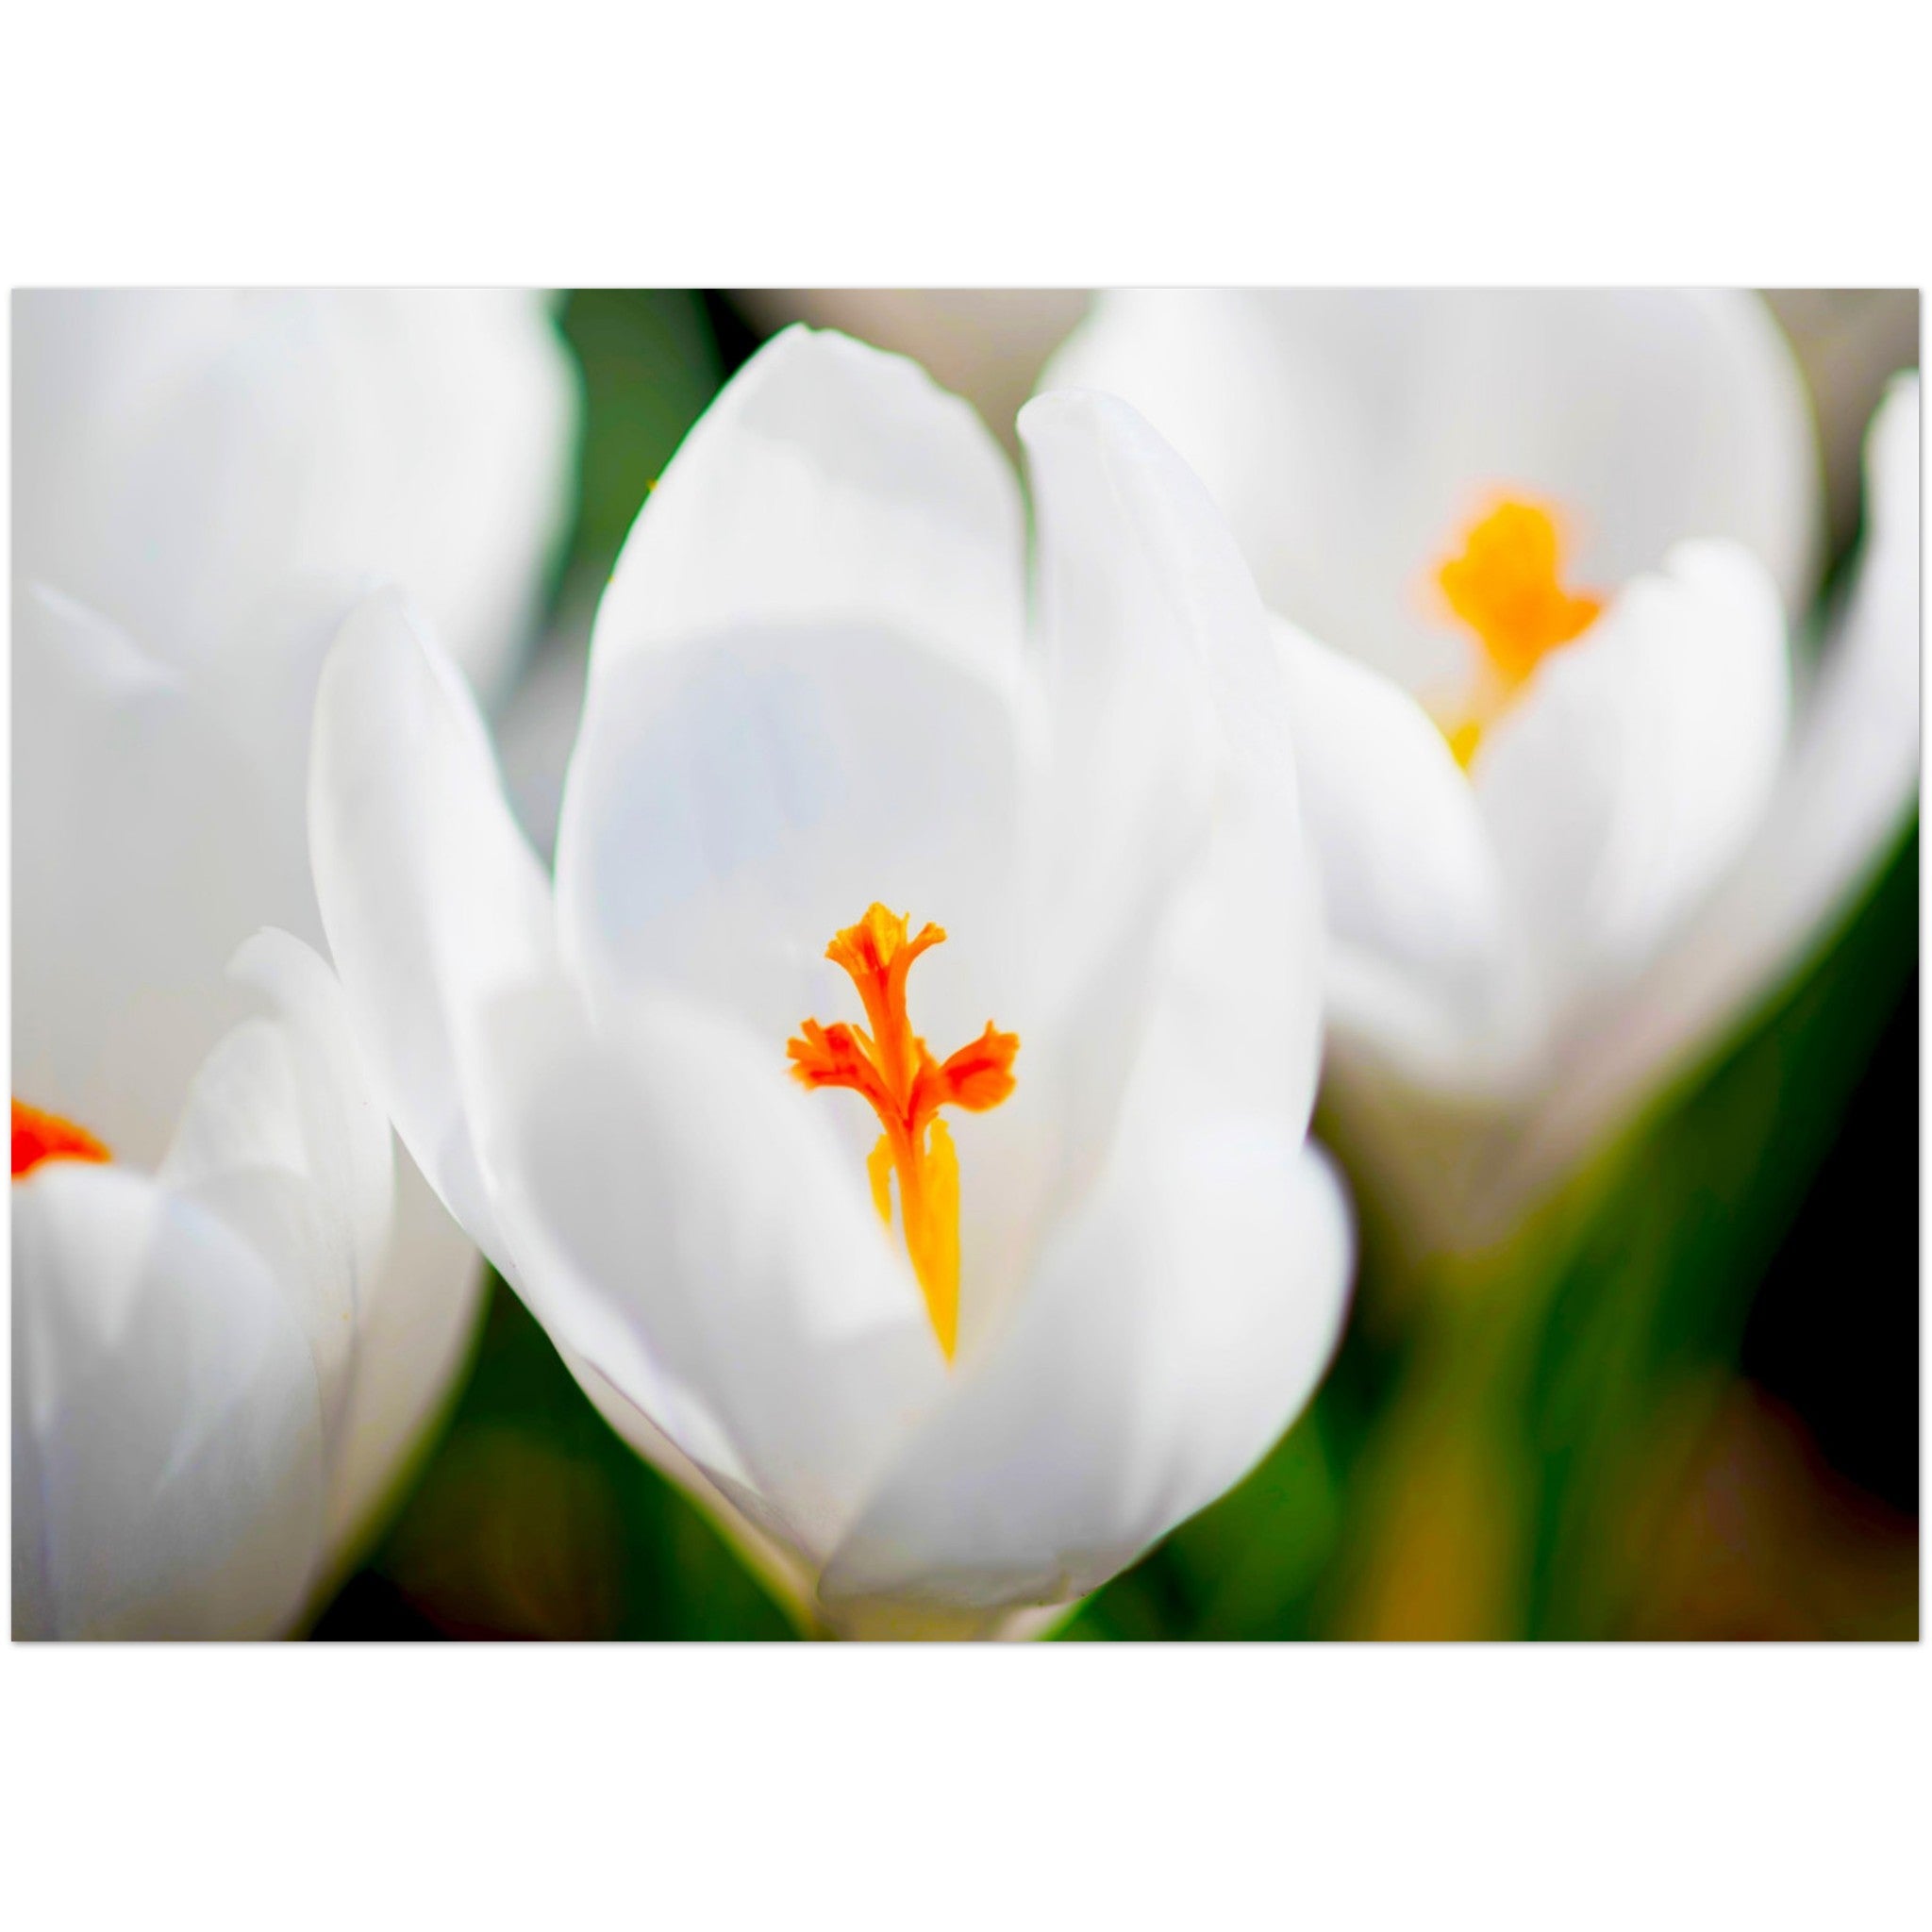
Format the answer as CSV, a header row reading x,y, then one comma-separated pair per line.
x,y
1350,437
1178,1324
479,400
432,902
144,852
1136,586
1854,770
414,1330
283,1138
1847,788
1418,963
1171,730
315,1116
827,485
686,1229
1634,767
167,1453
737,799
187,457
1221,376
785,1572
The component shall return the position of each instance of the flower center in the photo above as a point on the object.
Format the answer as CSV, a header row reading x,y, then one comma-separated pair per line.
x,y
39,1137
907,1087
1507,587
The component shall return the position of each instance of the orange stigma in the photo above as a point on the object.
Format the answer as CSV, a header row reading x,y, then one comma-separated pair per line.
x,y
39,1137
1506,588
906,1088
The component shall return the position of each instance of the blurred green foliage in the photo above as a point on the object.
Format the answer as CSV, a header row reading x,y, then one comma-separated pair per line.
x,y
1644,1319
534,1519
650,363
1500,1462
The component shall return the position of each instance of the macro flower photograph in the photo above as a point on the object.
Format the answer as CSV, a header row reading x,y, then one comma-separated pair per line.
x,y
963,967
1091,965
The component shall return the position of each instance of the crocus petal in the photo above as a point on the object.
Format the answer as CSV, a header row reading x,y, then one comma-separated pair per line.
x,y
1349,435
433,903
1169,715
688,1230
737,800
783,1569
141,857
313,1115
827,483
282,1138
1129,621
481,385
413,1331
188,457
1178,1322
1417,955
167,1442
1204,366
1848,786
1635,765
1854,769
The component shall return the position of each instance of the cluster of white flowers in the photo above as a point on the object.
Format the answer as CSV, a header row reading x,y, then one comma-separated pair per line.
x,y
1396,691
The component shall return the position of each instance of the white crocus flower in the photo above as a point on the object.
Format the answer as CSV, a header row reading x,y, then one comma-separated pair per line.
x,y
208,468
201,1199
817,703
1569,822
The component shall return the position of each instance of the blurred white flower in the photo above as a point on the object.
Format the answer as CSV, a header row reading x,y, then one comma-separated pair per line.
x,y
1352,437
1848,786
217,477
197,465
816,701
201,1200
1547,740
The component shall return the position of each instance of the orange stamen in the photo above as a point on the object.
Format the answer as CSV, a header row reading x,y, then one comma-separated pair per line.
x,y
39,1137
1507,587
906,1087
